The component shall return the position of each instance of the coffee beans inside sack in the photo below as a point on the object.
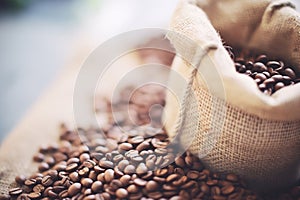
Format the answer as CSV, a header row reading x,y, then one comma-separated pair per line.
x,y
238,114
270,75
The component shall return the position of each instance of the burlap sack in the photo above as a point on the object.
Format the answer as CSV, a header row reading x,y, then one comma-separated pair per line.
x,y
223,116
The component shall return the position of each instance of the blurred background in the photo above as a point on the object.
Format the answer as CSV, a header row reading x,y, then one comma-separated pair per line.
x,y
39,37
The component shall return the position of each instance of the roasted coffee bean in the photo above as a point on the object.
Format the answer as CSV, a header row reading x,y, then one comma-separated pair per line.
x,y
83,157
74,176
47,181
96,186
15,191
193,174
74,189
109,175
227,189
53,174
34,195
155,195
20,179
73,160
121,193
86,182
71,167
22,197
151,186
140,182
43,167
84,171
106,164
143,146
30,182
141,169
132,189
58,156
232,177
125,146
274,64
122,164
136,140
38,188
38,157
129,169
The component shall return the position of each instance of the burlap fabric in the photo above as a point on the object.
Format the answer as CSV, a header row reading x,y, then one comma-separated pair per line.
x,y
223,116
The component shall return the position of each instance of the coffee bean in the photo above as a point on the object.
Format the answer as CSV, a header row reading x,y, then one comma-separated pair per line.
x,y
30,182
21,197
20,179
227,189
58,188
289,72
215,190
151,186
141,169
58,156
204,188
140,182
34,195
83,157
106,164
89,164
43,167
39,188
74,176
193,174
118,158
232,177
259,67
155,195
15,191
73,160
74,189
96,186
132,189
136,140
212,182
218,197
121,193
109,175
86,182
71,167
125,146
172,177
137,159
161,172
38,157
142,146
47,181
63,194
129,169
274,64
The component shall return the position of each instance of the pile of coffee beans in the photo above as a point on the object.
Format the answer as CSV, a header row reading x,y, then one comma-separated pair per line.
x,y
269,74
126,162
137,165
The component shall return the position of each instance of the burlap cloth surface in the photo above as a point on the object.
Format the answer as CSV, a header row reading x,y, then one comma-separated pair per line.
x,y
223,116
